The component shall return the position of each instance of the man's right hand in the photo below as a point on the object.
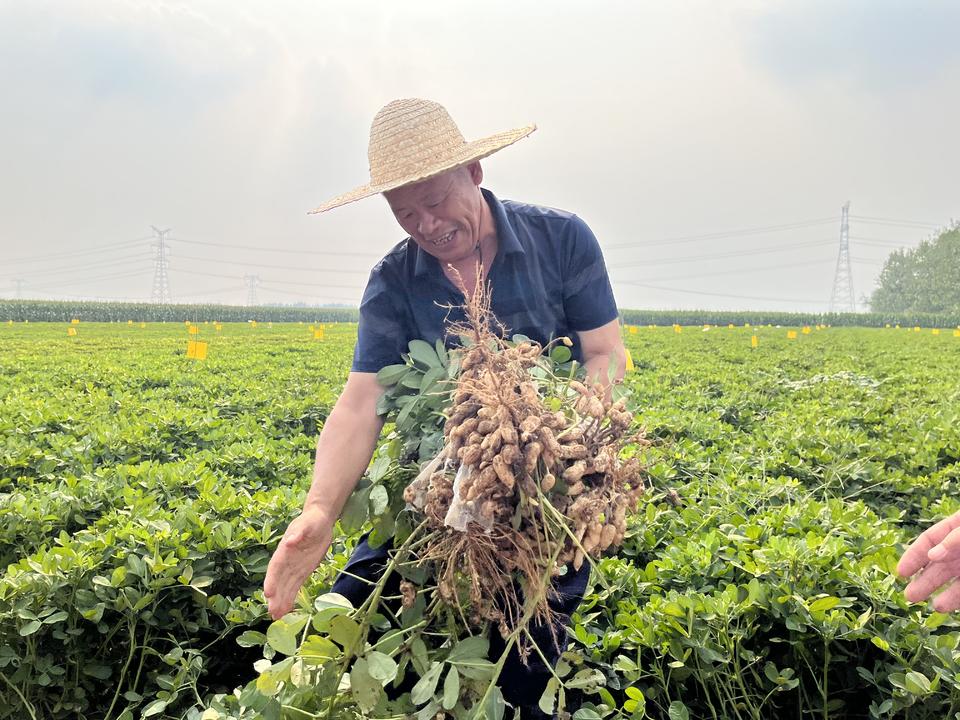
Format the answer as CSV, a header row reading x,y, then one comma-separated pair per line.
x,y
303,546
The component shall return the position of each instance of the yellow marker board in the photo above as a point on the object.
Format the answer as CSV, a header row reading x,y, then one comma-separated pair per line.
x,y
72,332
754,341
75,321
218,327
791,334
142,325
197,350
193,330
633,329
935,331
318,334
956,333
129,322
630,366
806,330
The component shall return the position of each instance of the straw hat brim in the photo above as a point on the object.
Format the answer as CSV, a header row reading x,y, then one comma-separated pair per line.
x,y
470,152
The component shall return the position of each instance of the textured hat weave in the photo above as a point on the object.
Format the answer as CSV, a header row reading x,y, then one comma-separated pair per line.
x,y
413,140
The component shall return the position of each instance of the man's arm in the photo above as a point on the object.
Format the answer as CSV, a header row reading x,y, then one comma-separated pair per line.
x,y
599,347
344,449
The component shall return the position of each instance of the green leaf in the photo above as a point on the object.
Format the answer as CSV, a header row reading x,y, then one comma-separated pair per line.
x,y
154,708
587,679
251,638
549,697
392,374
426,685
495,706
451,689
560,354
282,634
824,604
345,631
678,711
916,683
587,714
317,649
472,648
379,500
101,672
363,686
30,628
441,352
383,668
354,513
423,353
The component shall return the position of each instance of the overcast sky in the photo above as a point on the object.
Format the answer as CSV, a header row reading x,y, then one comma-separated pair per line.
x,y
659,123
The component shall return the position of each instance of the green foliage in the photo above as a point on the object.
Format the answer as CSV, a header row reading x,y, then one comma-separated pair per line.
x,y
67,310
141,494
925,279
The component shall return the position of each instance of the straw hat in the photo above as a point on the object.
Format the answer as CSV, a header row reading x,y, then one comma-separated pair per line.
x,y
412,140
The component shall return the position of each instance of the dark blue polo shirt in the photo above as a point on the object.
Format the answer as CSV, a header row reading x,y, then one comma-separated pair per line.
x,y
548,280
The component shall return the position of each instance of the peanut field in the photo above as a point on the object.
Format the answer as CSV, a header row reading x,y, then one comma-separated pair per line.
x,y
143,490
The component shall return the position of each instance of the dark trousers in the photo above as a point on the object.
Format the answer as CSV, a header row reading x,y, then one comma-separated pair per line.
x,y
522,685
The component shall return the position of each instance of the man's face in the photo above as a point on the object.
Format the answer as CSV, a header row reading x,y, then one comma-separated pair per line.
x,y
442,214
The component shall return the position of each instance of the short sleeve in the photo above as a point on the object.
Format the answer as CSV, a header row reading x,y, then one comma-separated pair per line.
x,y
382,330
587,295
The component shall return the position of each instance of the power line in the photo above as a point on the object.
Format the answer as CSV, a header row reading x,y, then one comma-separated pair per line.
x,y
284,282
726,233
71,253
739,271
277,250
726,295
275,267
738,253
891,221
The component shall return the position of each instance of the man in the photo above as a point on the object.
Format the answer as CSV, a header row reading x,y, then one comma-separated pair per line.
x,y
548,280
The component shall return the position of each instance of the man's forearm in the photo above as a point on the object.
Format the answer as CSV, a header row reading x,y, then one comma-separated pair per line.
x,y
344,449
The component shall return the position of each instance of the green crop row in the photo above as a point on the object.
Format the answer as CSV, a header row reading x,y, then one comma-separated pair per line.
x,y
65,311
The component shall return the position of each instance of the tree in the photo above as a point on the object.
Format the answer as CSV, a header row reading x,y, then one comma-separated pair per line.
x,y
923,279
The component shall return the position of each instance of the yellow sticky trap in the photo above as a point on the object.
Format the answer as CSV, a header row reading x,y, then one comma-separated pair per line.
x,y
935,331
633,329
806,330
677,329
253,323
218,327
956,333
630,367
197,350
318,333
916,329
187,323
129,322
791,334
9,322
193,330
746,325
652,327
142,325
730,326
887,326
270,324
72,332
754,341
75,321
897,326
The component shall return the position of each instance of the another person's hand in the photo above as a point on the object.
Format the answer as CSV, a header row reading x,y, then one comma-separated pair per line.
x,y
303,546
937,553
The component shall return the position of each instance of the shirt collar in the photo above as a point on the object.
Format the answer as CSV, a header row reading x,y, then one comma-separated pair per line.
x,y
427,264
